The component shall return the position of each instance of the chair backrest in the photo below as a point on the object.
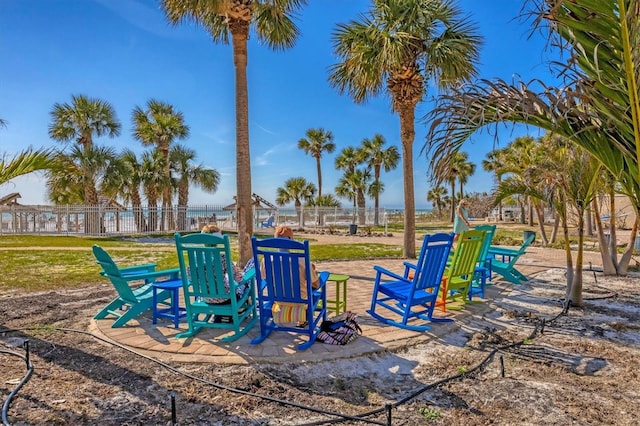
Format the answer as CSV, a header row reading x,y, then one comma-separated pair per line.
x,y
277,262
270,220
489,231
526,244
111,271
103,259
201,258
465,255
432,261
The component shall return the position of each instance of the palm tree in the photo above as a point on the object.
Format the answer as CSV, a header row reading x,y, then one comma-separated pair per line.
x,y
465,171
399,45
437,198
79,176
153,182
25,162
495,163
349,158
353,185
190,174
379,158
296,189
159,125
82,119
317,142
123,179
224,19
449,169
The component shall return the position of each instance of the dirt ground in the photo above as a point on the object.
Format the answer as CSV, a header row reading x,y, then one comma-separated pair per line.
x,y
544,368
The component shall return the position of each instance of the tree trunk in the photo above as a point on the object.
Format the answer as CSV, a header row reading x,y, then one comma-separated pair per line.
x,y
569,258
239,33
623,265
589,220
319,169
608,261
540,213
575,295
453,201
376,200
361,208
407,133
554,231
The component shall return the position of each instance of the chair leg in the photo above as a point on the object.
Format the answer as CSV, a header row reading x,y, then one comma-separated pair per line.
x,y
130,314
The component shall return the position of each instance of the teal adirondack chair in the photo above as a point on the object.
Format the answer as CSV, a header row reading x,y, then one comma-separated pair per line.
x,y
461,270
201,258
504,261
483,267
131,301
413,297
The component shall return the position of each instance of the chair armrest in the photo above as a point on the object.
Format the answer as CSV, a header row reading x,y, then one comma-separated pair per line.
x,y
381,270
171,274
322,279
503,251
249,275
407,268
149,267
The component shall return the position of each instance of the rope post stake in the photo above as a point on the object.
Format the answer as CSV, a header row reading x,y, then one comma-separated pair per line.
x,y
173,408
25,345
502,366
388,408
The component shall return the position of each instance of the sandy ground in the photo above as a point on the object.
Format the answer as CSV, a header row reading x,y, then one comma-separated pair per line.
x,y
527,361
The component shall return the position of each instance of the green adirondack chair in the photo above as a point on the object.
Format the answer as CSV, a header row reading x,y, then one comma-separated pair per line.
x,y
460,272
131,301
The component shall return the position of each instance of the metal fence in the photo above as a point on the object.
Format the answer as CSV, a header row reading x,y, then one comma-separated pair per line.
x,y
129,220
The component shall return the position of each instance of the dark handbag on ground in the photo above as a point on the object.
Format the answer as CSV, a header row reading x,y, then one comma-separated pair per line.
x,y
340,330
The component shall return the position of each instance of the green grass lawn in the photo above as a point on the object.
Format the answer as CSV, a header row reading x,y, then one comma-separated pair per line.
x,y
38,263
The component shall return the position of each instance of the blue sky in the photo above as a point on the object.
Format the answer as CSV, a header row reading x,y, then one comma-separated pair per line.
x,y
125,52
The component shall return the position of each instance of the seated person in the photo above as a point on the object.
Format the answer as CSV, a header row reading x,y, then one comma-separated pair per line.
x,y
237,272
283,312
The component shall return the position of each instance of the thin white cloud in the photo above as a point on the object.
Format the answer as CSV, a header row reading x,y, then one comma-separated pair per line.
x,y
270,132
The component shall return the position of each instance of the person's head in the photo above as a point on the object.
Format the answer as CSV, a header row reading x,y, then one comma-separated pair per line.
x,y
283,232
464,202
211,229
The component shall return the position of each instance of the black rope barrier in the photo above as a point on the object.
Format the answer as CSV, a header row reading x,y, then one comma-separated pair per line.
x,y
25,379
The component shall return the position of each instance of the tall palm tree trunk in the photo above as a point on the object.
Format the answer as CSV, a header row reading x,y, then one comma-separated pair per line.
x,y
319,169
376,199
453,201
407,134
92,216
240,32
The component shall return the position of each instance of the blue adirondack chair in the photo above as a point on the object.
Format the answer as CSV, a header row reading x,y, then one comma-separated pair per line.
x,y
268,223
504,261
131,301
483,267
277,262
201,258
459,274
413,297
